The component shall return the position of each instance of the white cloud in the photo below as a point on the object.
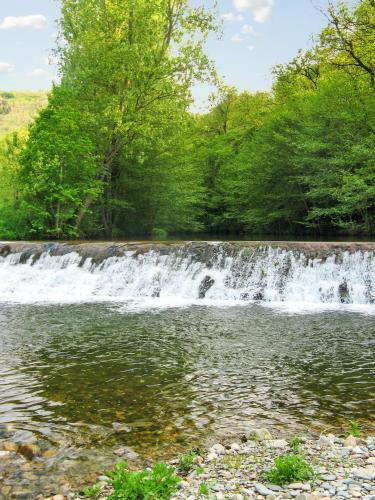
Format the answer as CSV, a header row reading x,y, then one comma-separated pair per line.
x,y
230,17
36,21
37,72
261,9
251,47
248,30
6,67
237,38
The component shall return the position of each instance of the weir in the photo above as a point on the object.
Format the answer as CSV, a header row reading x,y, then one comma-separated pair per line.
x,y
305,274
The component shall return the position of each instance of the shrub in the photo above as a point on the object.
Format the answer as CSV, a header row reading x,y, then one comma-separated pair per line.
x,y
288,469
295,443
355,428
159,483
186,461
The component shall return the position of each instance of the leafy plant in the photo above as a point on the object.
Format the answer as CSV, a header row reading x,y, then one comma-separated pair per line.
x,y
159,483
295,443
204,489
92,491
186,461
355,428
288,469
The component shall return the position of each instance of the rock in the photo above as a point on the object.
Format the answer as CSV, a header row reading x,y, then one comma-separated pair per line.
x,y
329,477
262,490
296,486
277,443
205,285
218,449
9,446
262,434
58,497
235,447
211,457
127,453
326,442
365,473
50,453
118,427
4,454
344,293
350,442
103,479
29,450
305,496
370,460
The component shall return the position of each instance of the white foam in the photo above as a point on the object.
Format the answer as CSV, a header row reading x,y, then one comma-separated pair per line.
x,y
274,277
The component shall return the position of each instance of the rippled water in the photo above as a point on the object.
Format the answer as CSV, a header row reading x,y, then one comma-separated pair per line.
x,y
176,377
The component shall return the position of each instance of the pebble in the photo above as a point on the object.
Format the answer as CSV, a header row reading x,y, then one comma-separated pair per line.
x,y
260,434
262,490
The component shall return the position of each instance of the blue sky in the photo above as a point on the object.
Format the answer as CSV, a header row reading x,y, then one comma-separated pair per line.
x,y
257,35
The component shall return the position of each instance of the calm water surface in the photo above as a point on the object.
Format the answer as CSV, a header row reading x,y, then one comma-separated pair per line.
x,y
175,377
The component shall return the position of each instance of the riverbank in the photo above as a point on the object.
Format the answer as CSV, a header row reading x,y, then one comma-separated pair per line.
x,y
337,467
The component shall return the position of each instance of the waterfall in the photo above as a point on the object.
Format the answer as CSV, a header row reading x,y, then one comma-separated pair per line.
x,y
266,275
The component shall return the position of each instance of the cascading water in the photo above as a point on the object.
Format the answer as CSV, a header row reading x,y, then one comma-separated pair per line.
x,y
266,275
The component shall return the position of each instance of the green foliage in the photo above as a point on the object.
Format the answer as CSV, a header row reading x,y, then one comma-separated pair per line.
x,y
92,491
117,153
295,444
355,428
289,468
186,461
204,489
159,483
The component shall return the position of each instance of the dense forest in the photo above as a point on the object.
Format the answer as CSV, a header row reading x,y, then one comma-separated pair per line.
x,y
117,151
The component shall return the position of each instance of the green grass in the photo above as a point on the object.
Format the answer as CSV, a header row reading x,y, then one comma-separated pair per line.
x,y
355,428
21,108
186,461
295,444
290,468
159,483
92,492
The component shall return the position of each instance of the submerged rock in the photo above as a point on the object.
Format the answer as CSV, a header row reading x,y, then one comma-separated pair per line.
x,y
29,451
262,434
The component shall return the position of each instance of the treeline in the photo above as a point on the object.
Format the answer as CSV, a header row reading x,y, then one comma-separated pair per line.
x,y
116,152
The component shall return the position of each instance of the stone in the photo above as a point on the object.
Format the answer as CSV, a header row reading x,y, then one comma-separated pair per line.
x,y
104,479
127,453
235,447
4,454
218,449
329,477
350,442
370,460
326,442
9,446
29,450
211,457
262,434
365,473
296,486
58,497
205,285
118,427
277,443
50,453
262,490
305,496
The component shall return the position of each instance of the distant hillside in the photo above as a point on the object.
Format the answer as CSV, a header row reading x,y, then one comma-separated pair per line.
x,y
17,109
